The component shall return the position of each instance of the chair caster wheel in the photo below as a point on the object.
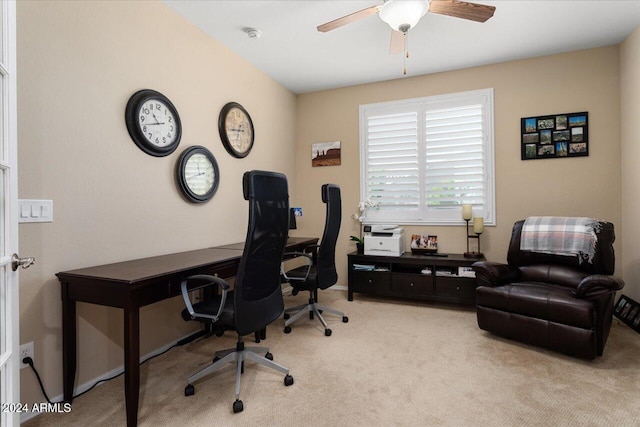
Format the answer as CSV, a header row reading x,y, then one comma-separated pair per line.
x,y
327,332
288,380
189,390
287,329
237,406
219,333
268,356
215,359
311,315
345,319
286,316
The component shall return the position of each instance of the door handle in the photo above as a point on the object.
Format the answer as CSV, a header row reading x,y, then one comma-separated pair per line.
x,y
16,262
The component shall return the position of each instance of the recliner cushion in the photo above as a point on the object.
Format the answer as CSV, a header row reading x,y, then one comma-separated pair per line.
x,y
539,300
554,274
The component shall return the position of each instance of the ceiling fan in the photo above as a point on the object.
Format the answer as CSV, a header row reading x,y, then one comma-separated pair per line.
x,y
403,15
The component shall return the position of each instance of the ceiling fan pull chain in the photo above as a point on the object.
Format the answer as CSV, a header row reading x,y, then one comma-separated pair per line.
x,y
406,45
406,53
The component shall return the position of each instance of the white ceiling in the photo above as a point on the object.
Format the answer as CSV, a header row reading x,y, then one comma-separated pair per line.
x,y
302,59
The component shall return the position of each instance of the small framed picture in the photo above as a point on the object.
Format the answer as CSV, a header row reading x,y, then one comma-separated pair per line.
x,y
325,154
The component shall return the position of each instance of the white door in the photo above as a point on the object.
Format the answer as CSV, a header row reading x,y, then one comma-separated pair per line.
x,y
9,332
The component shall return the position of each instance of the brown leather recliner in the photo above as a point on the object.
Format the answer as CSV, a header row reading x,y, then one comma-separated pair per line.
x,y
552,301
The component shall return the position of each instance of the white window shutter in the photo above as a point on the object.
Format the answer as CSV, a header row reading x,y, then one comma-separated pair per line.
x,y
454,157
422,159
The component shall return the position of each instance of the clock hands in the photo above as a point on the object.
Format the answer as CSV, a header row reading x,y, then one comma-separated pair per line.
x,y
193,176
157,121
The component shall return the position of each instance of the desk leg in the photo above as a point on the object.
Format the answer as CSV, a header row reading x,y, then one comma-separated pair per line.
x,y
132,363
68,346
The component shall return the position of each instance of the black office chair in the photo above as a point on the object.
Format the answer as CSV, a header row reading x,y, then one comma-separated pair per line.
x,y
256,299
320,271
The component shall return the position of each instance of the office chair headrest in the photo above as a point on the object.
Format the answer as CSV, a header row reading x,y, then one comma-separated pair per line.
x,y
264,185
326,190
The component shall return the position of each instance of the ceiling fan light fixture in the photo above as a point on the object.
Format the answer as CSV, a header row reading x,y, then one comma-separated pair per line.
x,y
402,15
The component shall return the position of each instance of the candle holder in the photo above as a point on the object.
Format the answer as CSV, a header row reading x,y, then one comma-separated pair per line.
x,y
469,254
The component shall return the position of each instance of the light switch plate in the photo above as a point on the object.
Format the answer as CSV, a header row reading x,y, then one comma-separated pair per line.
x,y
35,210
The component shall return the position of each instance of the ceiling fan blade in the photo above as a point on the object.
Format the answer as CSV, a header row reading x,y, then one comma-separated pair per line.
x,y
462,9
348,19
397,43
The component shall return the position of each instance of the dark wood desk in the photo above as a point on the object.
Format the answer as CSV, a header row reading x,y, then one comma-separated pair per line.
x,y
133,284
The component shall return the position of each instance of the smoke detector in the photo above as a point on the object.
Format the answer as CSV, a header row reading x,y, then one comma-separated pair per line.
x,y
252,32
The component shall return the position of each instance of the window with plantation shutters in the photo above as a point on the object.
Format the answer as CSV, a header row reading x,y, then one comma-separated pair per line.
x,y
422,159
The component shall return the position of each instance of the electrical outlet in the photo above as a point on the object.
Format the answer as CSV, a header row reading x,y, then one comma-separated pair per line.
x,y
26,350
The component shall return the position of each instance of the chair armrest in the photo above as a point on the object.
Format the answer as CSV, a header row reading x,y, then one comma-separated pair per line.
x,y
313,248
292,255
598,284
199,281
495,274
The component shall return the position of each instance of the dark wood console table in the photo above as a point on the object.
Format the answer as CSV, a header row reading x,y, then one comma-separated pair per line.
x,y
133,284
404,277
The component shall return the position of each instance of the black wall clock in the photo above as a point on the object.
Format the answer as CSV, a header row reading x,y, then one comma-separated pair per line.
x,y
197,174
153,122
236,129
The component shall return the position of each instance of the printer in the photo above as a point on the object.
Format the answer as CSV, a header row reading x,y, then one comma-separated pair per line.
x,y
384,240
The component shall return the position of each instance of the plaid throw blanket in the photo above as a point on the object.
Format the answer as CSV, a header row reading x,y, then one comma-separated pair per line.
x,y
571,236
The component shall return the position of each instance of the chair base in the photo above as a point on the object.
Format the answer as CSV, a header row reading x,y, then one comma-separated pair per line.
x,y
238,355
315,310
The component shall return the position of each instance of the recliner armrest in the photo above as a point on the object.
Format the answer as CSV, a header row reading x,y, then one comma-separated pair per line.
x,y
597,284
199,281
494,273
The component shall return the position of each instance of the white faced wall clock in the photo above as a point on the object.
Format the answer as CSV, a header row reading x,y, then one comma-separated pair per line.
x,y
197,174
236,129
153,122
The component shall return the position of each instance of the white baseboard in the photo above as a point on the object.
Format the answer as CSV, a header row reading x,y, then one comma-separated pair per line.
x,y
87,385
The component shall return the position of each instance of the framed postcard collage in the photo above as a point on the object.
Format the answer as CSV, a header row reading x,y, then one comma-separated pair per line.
x,y
628,311
555,136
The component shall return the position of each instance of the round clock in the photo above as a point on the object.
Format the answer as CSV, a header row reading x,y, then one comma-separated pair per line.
x,y
153,122
236,129
197,174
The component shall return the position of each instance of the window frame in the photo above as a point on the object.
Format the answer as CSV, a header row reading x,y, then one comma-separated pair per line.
x,y
446,216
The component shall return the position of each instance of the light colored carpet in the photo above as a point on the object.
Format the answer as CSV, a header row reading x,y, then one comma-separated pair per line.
x,y
396,363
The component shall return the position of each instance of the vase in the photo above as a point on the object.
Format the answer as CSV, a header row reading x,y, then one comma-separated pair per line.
x,y
360,248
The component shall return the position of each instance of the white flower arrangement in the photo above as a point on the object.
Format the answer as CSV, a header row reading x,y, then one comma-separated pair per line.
x,y
360,216
363,206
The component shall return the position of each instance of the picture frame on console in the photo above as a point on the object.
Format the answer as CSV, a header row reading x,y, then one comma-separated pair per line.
x,y
424,244
554,136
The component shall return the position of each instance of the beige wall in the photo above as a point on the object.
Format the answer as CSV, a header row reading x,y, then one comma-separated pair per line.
x,y
630,137
78,63
588,186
